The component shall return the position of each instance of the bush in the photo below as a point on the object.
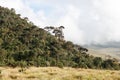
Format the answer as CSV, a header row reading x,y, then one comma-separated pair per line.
x,y
60,65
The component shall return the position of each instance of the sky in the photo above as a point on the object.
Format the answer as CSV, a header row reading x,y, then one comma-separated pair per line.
x,y
86,21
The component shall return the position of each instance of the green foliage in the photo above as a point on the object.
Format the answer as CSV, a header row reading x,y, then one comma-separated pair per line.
x,y
97,61
24,44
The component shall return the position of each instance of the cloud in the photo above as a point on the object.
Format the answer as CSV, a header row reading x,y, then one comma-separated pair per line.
x,y
70,21
85,21
25,10
108,11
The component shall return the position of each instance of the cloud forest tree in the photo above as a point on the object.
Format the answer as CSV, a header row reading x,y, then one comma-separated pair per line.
x,y
58,31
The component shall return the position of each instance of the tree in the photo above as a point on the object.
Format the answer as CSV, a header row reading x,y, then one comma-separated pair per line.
x,y
81,49
57,31
49,28
97,61
13,10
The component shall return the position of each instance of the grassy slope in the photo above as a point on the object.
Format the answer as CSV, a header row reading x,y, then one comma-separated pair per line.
x,y
113,52
54,73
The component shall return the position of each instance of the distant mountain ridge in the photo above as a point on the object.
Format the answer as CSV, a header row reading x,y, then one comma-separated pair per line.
x,y
110,44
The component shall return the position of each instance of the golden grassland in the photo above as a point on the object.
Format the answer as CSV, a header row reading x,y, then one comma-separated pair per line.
x,y
55,73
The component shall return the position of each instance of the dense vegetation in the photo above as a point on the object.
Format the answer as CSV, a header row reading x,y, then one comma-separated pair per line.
x,y
24,44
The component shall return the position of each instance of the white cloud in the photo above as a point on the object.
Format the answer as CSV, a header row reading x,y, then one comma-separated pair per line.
x,y
85,21
110,14
70,20
25,10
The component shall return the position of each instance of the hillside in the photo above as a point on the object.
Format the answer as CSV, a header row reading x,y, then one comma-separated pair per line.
x,y
24,44
104,52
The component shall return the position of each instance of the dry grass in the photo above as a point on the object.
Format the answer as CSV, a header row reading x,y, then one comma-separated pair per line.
x,y
54,73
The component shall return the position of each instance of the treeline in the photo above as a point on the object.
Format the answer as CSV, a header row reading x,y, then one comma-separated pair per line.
x,y
24,44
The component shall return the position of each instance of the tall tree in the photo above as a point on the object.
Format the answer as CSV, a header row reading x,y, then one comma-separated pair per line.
x,y
58,31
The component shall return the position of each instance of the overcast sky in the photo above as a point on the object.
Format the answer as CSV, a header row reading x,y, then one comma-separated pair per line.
x,y
85,21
